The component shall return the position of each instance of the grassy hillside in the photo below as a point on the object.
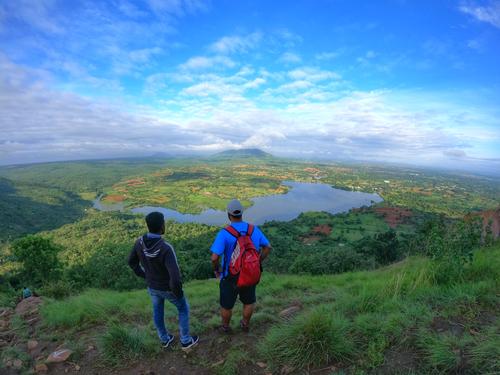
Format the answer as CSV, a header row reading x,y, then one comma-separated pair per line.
x,y
33,207
397,320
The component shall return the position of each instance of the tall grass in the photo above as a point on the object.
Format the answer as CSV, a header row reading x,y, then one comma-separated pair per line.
x,y
121,344
95,307
311,340
234,359
352,319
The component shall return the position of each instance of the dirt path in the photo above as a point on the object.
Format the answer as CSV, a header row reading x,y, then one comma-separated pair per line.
x,y
205,358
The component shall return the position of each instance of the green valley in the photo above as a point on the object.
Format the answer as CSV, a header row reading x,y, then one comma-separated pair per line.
x,y
407,285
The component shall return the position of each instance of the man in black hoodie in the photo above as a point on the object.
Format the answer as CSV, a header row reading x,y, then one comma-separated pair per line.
x,y
154,259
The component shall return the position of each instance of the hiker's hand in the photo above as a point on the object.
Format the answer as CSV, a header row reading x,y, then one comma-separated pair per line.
x,y
217,274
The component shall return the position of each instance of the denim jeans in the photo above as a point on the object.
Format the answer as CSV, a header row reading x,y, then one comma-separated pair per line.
x,y
158,298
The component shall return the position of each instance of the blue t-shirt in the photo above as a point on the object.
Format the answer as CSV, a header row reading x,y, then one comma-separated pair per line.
x,y
225,242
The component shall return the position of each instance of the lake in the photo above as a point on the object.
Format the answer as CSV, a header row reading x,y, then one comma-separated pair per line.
x,y
302,197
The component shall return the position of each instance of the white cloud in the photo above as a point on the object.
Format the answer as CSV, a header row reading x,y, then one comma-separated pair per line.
x,y
302,116
290,57
257,82
489,14
235,43
37,14
177,7
313,74
143,55
475,44
286,38
327,55
203,62
370,54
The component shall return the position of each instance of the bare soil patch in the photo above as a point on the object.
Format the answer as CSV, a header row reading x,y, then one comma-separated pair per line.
x,y
442,325
316,234
322,229
491,222
114,198
135,182
394,216
398,361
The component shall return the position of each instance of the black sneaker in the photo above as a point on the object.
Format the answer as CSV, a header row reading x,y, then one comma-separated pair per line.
x,y
190,344
165,344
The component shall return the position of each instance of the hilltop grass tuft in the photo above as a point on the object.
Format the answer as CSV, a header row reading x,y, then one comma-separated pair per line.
x,y
121,344
95,307
311,340
235,358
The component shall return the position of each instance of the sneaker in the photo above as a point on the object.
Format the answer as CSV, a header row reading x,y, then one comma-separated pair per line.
x,y
244,327
165,344
190,344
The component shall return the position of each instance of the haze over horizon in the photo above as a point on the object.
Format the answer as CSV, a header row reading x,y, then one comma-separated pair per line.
x,y
406,82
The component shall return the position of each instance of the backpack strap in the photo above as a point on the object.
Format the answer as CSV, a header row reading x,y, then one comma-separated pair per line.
x,y
232,231
250,230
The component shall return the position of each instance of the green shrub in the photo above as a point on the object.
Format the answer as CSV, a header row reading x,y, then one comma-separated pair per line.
x,y
443,352
38,256
485,355
313,339
330,261
57,289
11,353
108,268
451,247
121,344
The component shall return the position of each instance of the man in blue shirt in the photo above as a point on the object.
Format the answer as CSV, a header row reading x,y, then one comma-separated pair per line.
x,y
223,247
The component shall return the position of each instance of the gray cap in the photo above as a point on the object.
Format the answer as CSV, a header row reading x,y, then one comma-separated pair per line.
x,y
235,208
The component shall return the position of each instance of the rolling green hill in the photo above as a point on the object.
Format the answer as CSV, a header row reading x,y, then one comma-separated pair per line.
x,y
242,153
395,320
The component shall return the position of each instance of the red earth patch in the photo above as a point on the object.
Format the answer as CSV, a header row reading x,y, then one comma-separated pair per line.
x,y
135,182
394,216
114,198
491,222
317,233
323,229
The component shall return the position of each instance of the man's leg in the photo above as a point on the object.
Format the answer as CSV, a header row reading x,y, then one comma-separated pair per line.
x,y
248,298
183,309
247,313
226,316
159,315
228,295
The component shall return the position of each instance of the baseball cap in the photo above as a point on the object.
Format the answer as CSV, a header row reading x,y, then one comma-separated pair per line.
x,y
235,208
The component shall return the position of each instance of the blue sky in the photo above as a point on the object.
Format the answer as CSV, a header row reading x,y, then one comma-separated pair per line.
x,y
400,81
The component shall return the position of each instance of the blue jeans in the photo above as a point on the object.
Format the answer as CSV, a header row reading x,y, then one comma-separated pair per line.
x,y
158,298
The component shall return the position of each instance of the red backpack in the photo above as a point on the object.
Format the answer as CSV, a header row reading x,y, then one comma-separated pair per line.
x,y
245,259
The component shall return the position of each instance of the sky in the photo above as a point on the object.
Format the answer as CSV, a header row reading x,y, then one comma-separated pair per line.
x,y
414,82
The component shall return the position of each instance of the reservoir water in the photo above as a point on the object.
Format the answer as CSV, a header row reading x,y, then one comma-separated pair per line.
x,y
302,197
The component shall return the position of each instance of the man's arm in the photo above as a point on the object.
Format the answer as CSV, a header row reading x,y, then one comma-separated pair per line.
x,y
217,250
264,252
134,263
215,265
174,272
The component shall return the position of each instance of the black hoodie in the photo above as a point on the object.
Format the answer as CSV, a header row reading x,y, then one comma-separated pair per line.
x,y
154,259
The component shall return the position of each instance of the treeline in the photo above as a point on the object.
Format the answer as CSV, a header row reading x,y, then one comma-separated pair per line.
x,y
93,252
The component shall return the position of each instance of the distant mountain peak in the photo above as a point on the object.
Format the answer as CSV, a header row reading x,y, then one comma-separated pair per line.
x,y
243,153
